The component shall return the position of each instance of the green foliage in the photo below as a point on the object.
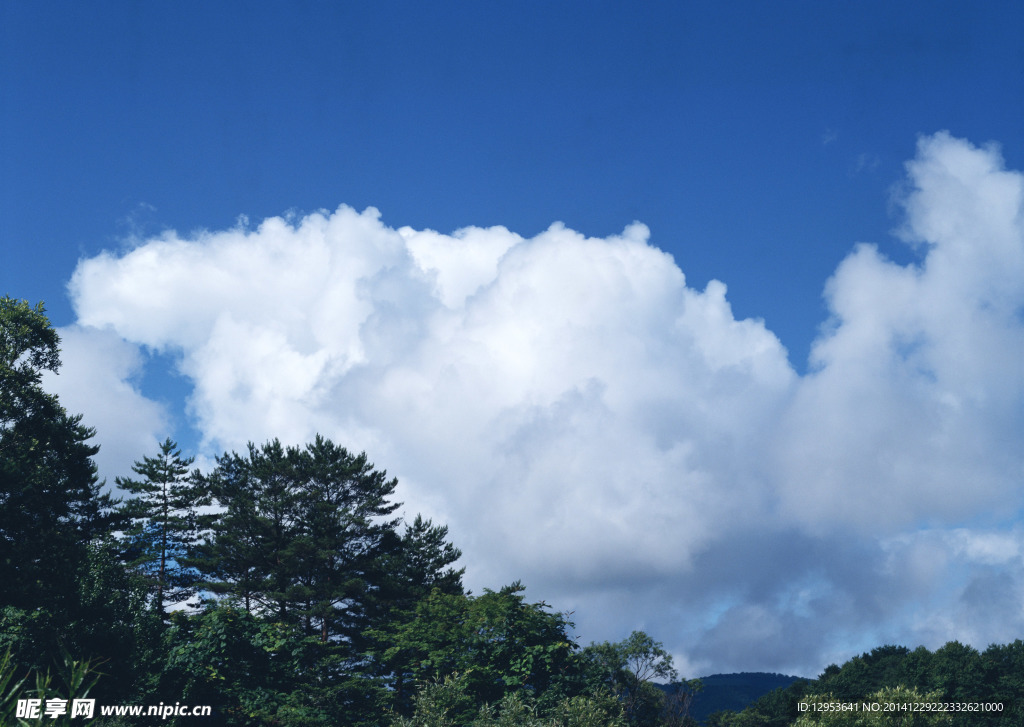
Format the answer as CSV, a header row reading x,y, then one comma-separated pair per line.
x,y
32,636
496,649
75,680
955,672
245,667
867,673
512,711
113,626
596,709
50,501
62,587
110,626
497,642
305,544
446,703
439,703
1004,673
629,668
10,688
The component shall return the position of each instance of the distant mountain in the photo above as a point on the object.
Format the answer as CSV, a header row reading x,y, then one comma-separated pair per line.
x,y
734,691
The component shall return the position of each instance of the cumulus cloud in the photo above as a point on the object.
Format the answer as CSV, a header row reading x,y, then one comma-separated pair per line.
x,y
96,379
588,422
560,381
912,411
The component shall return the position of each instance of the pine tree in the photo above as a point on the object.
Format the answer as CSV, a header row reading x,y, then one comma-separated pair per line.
x,y
302,534
249,556
344,528
412,566
166,524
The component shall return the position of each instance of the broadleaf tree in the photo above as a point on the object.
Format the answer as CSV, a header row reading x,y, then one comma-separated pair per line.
x,y
51,504
630,669
496,644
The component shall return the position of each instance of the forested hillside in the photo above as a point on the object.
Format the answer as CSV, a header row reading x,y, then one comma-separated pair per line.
x,y
721,692
280,589
975,688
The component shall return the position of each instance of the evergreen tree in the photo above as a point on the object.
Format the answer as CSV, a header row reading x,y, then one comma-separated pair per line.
x,y
165,525
343,530
414,564
235,560
302,535
425,559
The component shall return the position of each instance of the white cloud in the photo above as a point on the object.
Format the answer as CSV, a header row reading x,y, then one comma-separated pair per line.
x,y
913,410
561,382
587,422
462,262
96,380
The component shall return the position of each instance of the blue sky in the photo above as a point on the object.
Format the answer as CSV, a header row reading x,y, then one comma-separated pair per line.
x,y
758,143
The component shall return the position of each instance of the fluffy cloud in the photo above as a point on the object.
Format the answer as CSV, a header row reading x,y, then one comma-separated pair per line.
x,y
913,410
587,422
561,381
97,378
